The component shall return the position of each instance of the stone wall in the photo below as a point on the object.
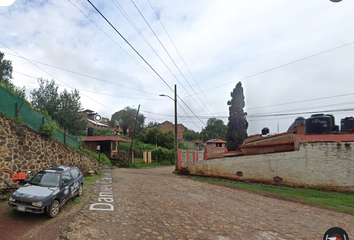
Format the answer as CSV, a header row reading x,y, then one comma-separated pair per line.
x,y
319,165
23,149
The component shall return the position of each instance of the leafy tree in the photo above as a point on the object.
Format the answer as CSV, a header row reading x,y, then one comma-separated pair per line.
x,y
190,135
215,129
126,119
63,107
5,69
237,125
46,97
162,139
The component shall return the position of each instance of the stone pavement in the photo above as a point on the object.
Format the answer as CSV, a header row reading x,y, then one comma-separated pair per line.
x,y
152,203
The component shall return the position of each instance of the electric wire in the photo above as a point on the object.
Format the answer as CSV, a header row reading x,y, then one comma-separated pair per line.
x,y
282,65
142,58
54,76
114,41
169,55
184,62
84,75
106,94
120,8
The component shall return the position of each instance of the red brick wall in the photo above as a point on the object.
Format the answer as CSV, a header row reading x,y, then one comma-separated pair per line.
x,y
165,126
215,152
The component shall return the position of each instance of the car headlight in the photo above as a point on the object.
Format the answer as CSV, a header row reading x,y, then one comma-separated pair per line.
x,y
37,204
11,199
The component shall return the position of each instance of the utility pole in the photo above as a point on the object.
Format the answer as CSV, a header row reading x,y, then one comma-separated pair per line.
x,y
131,145
176,131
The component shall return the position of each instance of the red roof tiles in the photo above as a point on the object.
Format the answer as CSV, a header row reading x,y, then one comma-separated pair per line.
x,y
325,138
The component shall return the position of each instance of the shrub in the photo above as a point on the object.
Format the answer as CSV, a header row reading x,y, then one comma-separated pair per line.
x,y
163,154
95,155
18,119
49,129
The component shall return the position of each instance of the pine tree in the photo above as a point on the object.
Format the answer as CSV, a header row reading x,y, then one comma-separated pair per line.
x,y
237,125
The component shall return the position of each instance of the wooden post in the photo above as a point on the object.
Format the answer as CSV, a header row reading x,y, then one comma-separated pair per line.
x,y
145,156
132,156
149,157
65,137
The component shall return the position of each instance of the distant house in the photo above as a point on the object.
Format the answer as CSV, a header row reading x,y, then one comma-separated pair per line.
x,y
109,145
90,117
94,124
215,148
195,145
288,141
166,125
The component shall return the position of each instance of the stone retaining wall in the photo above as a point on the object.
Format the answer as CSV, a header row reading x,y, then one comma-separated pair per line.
x,y
23,149
320,165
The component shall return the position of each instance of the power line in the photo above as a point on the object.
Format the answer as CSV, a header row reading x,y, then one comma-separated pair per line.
x,y
120,8
113,40
185,64
275,115
140,56
53,76
111,95
283,65
163,46
301,101
84,75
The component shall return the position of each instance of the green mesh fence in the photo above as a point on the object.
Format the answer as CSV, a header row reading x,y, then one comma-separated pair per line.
x,y
30,117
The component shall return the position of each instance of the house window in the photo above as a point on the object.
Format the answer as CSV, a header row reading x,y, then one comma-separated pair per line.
x,y
114,145
218,144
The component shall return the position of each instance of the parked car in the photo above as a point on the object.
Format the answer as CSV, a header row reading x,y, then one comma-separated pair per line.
x,y
48,190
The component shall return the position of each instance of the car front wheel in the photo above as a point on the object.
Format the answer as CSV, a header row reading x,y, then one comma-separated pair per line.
x,y
53,209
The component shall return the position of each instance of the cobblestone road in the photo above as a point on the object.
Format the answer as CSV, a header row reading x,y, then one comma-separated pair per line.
x,y
155,204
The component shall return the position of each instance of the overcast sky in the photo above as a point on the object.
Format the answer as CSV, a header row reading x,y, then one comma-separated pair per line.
x,y
293,56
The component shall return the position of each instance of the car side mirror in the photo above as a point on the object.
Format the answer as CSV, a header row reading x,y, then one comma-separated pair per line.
x,y
26,181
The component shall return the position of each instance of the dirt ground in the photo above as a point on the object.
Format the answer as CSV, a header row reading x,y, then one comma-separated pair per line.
x,y
153,203
20,225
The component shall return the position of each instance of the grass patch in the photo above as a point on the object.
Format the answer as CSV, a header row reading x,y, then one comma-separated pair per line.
x,y
90,179
337,201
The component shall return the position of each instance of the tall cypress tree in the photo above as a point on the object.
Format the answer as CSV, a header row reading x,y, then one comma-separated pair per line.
x,y
237,125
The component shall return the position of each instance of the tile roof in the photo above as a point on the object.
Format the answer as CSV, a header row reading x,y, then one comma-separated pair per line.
x,y
325,138
103,138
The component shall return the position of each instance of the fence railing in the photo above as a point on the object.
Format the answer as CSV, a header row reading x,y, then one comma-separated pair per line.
x,y
13,106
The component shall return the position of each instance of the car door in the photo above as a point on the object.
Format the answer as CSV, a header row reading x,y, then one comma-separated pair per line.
x,y
66,183
76,181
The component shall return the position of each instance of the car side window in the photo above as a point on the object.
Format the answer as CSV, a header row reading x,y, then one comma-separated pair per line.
x,y
66,177
75,173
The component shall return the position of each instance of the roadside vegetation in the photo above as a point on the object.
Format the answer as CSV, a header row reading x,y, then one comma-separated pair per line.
x,y
337,201
90,179
103,158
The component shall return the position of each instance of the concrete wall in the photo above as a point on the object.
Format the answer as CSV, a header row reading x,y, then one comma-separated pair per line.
x,y
318,165
191,155
23,149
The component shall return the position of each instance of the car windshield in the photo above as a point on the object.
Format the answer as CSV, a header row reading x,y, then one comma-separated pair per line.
x,y
46,179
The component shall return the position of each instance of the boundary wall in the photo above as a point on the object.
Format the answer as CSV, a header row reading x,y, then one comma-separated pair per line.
x,y
23,149
325,165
